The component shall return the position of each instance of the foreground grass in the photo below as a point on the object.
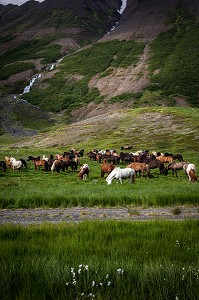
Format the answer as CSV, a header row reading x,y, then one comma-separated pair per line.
x,y
101,260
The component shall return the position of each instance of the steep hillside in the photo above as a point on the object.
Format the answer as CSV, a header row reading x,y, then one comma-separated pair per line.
x,y
151,58
43,32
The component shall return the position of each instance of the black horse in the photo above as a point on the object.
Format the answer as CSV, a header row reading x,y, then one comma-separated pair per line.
x,y
24,164
3,165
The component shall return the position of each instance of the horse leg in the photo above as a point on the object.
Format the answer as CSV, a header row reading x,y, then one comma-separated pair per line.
x,y
102,174
132,179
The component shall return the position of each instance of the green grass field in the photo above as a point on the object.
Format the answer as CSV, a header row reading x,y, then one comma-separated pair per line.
x,y
100,260
37,188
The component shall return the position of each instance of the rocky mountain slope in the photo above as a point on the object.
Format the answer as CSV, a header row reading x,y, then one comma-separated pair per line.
x,y
34,36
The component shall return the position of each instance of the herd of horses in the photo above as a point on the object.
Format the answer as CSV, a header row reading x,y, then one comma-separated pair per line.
x,y
136,164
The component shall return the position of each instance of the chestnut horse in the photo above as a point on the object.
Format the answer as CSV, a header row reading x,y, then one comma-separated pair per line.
x,y
165,159
40,163
8,162
190,169
106,168
84,172
140,167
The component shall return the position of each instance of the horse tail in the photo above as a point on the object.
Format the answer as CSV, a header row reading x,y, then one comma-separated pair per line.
x,y
53,166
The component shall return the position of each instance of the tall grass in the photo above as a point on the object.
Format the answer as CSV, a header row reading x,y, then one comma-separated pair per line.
x,y
101,260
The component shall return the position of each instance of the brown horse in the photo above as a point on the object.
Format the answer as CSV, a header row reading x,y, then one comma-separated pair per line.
x,y
174,167
165,159
106,168
140,167
84,172
40,163
192,175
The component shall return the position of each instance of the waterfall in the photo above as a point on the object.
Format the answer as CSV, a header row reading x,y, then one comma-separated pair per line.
x,y
120,11
32,81
123,6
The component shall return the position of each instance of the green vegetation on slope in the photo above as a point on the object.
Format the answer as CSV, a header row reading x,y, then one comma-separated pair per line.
x,y
174,61
7,71
36,48
67,91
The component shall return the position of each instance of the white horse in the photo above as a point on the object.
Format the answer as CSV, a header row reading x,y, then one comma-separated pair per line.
x,y
16,164
190,170
45,158
120,174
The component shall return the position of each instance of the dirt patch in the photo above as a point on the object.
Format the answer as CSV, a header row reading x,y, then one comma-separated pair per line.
x,y
132,79
78,214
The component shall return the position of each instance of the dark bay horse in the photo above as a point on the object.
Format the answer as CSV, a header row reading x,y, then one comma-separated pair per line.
x,y
154,163
60,164
3,165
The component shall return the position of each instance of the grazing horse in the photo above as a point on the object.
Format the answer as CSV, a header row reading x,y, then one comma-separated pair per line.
x,y
24,164
140,167
127,147
106,168
174,166
165,159
8,162
174,156
63,165
177,156
84,172
30,157
154,163
40,163
16,164
120,174
3,165
190,170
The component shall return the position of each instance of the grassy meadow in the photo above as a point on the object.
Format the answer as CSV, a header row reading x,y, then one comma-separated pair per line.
x,y
37,188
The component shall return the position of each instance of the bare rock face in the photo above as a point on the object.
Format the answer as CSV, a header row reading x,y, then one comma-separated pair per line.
x,y
124,80
143,20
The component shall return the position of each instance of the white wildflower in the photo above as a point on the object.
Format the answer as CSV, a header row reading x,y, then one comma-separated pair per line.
x,y
120,271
